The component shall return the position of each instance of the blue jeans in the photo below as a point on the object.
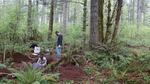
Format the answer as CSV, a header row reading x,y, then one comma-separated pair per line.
x,y
58,53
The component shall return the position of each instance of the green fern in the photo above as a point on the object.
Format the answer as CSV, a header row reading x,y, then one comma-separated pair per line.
x,y
33,76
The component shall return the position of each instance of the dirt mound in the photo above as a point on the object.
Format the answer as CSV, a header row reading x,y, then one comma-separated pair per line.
x,y
18,66
4,72
18,57
50,59
71,72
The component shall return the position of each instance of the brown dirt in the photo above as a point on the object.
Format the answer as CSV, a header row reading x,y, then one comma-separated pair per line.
x,y
71,72
134,76
18,66
18,57
106,72
4,72
50,59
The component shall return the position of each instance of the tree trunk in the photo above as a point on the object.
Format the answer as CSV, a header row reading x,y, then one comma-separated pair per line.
x,y
109,24
139,13
65,6
75,15
15,25
37,14
110,20
133,11
143,11
56,13
29,23
100,20
50,31
44,12
84,21
68,13
18,13
94,37
117,20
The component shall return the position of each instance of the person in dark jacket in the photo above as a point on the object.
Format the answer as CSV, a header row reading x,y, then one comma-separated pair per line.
x,y
59,44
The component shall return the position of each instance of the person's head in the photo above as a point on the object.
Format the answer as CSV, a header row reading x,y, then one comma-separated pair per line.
x,y
41,56
57,33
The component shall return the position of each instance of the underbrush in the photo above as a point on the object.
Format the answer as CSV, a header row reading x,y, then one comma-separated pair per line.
x,y
123,69
131,35
28,75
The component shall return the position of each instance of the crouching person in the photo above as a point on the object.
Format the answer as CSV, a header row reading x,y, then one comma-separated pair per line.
x,y
42,61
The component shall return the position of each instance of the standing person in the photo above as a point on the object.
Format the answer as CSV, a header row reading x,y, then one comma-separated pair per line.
x,y
59,44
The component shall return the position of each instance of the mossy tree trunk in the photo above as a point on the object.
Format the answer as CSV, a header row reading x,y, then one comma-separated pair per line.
x,y
101,20
117,21
29,19
109,24
94,36
51,17
65,18
84,21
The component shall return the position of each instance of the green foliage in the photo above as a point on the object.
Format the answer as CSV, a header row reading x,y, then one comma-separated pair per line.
x,y
69,82
131,35
144,60
101,60
6,81
90,70
29,76
74,35
119,75
2,66
146,78
34,76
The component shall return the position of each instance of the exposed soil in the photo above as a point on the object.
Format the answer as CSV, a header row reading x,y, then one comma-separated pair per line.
x,y
71,72
67,71
106,72
18,57
4,72
18,66
134,76
50,59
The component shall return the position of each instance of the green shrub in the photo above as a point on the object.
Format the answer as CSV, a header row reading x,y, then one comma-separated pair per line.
x,y
34,76
2,66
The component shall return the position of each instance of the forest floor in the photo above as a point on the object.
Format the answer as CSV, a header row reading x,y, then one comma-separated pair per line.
x,y
67,71
77,73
